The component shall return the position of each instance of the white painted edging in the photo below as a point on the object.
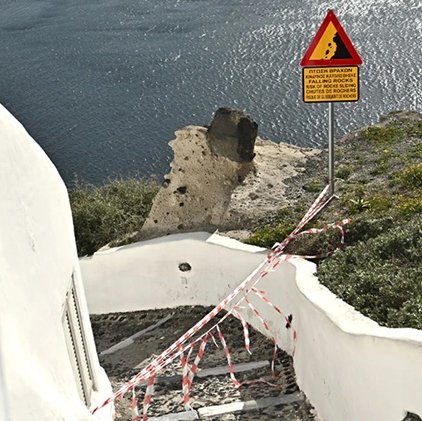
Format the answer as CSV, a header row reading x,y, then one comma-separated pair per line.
x,y
349,367
129,341
238,406
252,405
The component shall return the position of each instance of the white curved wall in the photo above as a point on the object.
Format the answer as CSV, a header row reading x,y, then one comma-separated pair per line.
x,y
37,259
146,275
350,368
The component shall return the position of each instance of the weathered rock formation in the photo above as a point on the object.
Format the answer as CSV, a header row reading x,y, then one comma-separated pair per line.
x,y
218,180
232,134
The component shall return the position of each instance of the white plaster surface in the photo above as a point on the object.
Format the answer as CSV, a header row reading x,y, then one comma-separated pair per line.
x,y
37,259
4,411
349,367
146,275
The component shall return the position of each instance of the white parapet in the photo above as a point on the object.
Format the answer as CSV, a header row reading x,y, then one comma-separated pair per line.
x,y
179,269
349,367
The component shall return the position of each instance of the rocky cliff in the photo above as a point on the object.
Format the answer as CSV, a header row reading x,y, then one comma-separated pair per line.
x,y
223,177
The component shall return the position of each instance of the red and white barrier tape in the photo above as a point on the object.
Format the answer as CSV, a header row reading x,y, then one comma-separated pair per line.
x,y
185,377
236,383
201,351
322,200
148,396
189,372
338,226
263,295
267,328
167,356
174,351
245,330
228,357
134,405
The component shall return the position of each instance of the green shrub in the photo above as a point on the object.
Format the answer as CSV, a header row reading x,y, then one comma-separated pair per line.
x,y
416,151
379,203
356,201
381,276
267,235
284,223
410,177
383,135
409,206
344,171
110,212
415,130
366,226
382,164
313,186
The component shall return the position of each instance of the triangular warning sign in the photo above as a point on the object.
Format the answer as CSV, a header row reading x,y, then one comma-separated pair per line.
x,y
331,46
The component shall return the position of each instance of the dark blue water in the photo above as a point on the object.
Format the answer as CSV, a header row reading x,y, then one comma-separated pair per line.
x,y
103,84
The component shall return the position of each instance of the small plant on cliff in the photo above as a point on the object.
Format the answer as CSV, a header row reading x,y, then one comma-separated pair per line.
x,y
283,224
113,211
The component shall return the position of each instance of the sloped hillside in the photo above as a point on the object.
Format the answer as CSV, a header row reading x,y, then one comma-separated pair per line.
x,y
379,185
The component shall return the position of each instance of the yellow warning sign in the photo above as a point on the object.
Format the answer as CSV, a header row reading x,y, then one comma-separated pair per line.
x,y
330,84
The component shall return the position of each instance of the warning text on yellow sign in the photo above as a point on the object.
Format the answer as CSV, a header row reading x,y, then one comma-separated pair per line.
x,y
331,84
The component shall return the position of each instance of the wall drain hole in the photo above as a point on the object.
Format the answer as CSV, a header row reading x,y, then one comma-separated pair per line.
x,y
185,267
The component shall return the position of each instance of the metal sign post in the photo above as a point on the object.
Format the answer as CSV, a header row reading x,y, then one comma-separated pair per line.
x,y
330,74
331,131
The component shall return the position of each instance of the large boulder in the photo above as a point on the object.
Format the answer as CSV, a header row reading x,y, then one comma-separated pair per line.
x,y
232,134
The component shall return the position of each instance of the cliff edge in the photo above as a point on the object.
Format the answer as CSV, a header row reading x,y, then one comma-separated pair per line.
x,y
223,177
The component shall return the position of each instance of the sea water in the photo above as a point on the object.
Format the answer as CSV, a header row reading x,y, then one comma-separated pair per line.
x,y
102,85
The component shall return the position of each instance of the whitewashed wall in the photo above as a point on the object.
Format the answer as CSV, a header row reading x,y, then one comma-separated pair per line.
x,y
37,259
349,367
4,407
146,275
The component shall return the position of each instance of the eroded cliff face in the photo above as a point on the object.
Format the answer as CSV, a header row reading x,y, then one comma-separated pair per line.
x,y
197,192
223,178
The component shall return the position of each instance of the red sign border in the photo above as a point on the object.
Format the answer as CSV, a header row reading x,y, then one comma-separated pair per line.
x,y
354,61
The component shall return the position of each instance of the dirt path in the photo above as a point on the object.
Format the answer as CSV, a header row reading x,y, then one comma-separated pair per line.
x,y
211,390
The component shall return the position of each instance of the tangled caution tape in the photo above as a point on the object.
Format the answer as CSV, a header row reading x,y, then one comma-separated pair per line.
x,y
183,349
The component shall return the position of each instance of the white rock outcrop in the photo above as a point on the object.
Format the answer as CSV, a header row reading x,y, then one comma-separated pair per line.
x,y
207,191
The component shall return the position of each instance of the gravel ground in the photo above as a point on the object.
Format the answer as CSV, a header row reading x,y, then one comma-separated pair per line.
x,y
213,390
